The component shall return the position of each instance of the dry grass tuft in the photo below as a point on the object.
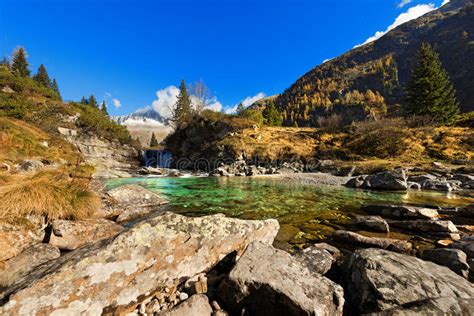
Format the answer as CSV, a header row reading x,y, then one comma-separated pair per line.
x,y
52,194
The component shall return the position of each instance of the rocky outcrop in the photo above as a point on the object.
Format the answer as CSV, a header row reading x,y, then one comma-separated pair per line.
x,y
113,274
69,235
267,281
15,239
379,280
401,211
353,239
19,266
134,201
454,259
30,165
104,155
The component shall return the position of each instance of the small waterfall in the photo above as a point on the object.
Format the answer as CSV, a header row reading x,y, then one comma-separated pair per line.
x,y
156,158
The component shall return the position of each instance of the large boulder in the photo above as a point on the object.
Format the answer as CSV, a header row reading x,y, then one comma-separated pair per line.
x,y
110,276
316,259
19,266
357,240
401,211
454,259
14,239
134,201
268,281
466,244
69,235
387,180
380,280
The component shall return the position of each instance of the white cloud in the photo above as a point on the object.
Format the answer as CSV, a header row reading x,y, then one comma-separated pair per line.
x,y
248,101
165,101
412,13
117,103
445,2
404,3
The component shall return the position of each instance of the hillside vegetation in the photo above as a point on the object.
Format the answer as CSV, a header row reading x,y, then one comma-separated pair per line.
x,y
370,80
386,142
31,111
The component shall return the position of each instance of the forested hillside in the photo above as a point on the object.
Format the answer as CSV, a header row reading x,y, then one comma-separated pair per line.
x,y
370,80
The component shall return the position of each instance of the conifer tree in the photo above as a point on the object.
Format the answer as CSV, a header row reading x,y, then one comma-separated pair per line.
x,y
103,108
153,141
240,108
183,110
20,65
84,101
93,101
272,116
430,91
5,63
42,77
55,88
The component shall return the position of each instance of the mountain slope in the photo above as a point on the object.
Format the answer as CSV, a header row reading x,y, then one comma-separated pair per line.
x,y
342,85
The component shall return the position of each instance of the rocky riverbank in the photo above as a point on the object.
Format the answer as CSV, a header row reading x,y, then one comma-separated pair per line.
x,y
136,259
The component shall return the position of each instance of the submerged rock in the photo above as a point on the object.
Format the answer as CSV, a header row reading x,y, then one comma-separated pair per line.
x,y
69,235
354,239
401,211
454,259
380,280
134,201
20,265
267,281
109,276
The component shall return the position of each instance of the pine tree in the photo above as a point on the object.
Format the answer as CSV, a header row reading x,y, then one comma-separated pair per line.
x,y
430,91
20,65
240,108
42,76
272,116
84,101
93,102
103,108
183,110
153,141
5,63
55,88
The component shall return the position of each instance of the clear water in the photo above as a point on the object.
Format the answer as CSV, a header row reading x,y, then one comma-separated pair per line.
x,y
305,213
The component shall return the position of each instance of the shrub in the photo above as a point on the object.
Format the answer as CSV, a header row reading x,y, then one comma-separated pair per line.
x,y
48,193
382,139
93,120
331,123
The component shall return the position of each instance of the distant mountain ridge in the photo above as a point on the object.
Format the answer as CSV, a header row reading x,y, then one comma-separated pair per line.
x,y
143,122
146,116
369,78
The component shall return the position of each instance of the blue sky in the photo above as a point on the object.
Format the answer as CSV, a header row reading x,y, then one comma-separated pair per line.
x,y
130,50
